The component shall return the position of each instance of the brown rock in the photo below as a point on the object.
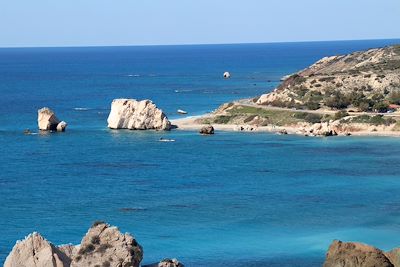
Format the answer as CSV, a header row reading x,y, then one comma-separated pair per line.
x,y
349,254
207,130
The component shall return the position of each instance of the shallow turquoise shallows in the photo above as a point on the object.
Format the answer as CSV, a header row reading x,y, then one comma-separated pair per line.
x,y
232,199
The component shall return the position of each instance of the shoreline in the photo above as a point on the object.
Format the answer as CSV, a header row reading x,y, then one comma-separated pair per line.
x,y
190,124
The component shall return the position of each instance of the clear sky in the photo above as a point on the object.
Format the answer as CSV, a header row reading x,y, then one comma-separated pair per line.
x,y
140,22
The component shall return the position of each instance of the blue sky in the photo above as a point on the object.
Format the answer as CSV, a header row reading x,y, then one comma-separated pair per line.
x,y
141,22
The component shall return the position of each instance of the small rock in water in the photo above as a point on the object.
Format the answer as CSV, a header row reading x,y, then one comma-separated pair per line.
x,y
61,126
170,263
207,130
227,75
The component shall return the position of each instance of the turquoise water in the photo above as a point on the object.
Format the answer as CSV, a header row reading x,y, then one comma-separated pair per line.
x,y
233,199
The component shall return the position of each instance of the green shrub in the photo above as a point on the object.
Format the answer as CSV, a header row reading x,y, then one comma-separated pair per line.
x,y
394,97
249,118
312,105
377,120
374,120
336,100
300,115
381,107
340,114
222,119
364,105
313,118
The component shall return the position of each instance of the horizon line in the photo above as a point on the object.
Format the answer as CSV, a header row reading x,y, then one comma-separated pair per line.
x,y
198,44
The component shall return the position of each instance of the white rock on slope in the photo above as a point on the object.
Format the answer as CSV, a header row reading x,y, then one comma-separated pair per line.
x,y
137,115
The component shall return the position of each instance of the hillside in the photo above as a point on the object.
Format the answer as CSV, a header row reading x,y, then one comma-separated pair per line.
x,y
366,81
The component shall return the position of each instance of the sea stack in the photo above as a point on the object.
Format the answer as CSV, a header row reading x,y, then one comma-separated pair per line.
x,y
48,121
137,115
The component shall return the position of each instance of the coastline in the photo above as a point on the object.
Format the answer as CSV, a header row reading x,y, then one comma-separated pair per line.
x,y
191,123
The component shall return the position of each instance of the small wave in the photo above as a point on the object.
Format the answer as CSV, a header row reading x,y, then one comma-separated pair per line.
x,y
182,91
81,109
133,75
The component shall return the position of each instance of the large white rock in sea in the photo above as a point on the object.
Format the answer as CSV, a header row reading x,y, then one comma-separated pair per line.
x,y
48,121
137,115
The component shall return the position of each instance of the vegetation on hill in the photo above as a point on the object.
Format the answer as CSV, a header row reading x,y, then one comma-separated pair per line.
x,y
365,81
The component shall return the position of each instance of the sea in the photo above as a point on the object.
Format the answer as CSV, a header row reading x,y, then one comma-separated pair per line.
x,y
233,199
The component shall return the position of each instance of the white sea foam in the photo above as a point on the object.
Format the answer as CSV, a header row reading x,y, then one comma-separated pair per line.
x,y
182,91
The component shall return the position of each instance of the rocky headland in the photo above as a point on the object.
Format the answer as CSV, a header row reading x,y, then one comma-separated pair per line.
x,y
354,94
102,246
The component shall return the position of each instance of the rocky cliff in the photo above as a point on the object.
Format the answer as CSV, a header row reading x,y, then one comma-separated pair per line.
x,y
364,80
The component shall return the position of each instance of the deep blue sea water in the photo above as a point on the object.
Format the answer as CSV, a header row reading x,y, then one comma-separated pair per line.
x,y
233,199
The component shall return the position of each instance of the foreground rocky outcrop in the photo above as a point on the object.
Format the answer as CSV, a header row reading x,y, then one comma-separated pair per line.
x,y
352,254
48,121
137,115
34,251
103,245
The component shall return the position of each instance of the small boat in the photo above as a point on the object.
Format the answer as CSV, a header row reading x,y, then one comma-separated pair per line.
x,y
180,111
166,140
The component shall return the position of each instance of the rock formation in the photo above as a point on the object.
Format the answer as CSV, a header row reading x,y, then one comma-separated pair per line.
x,y
166,263
320,129
137,115
207,130
35,251
170,263
350,254
227,75
61,126
48,121
103,245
